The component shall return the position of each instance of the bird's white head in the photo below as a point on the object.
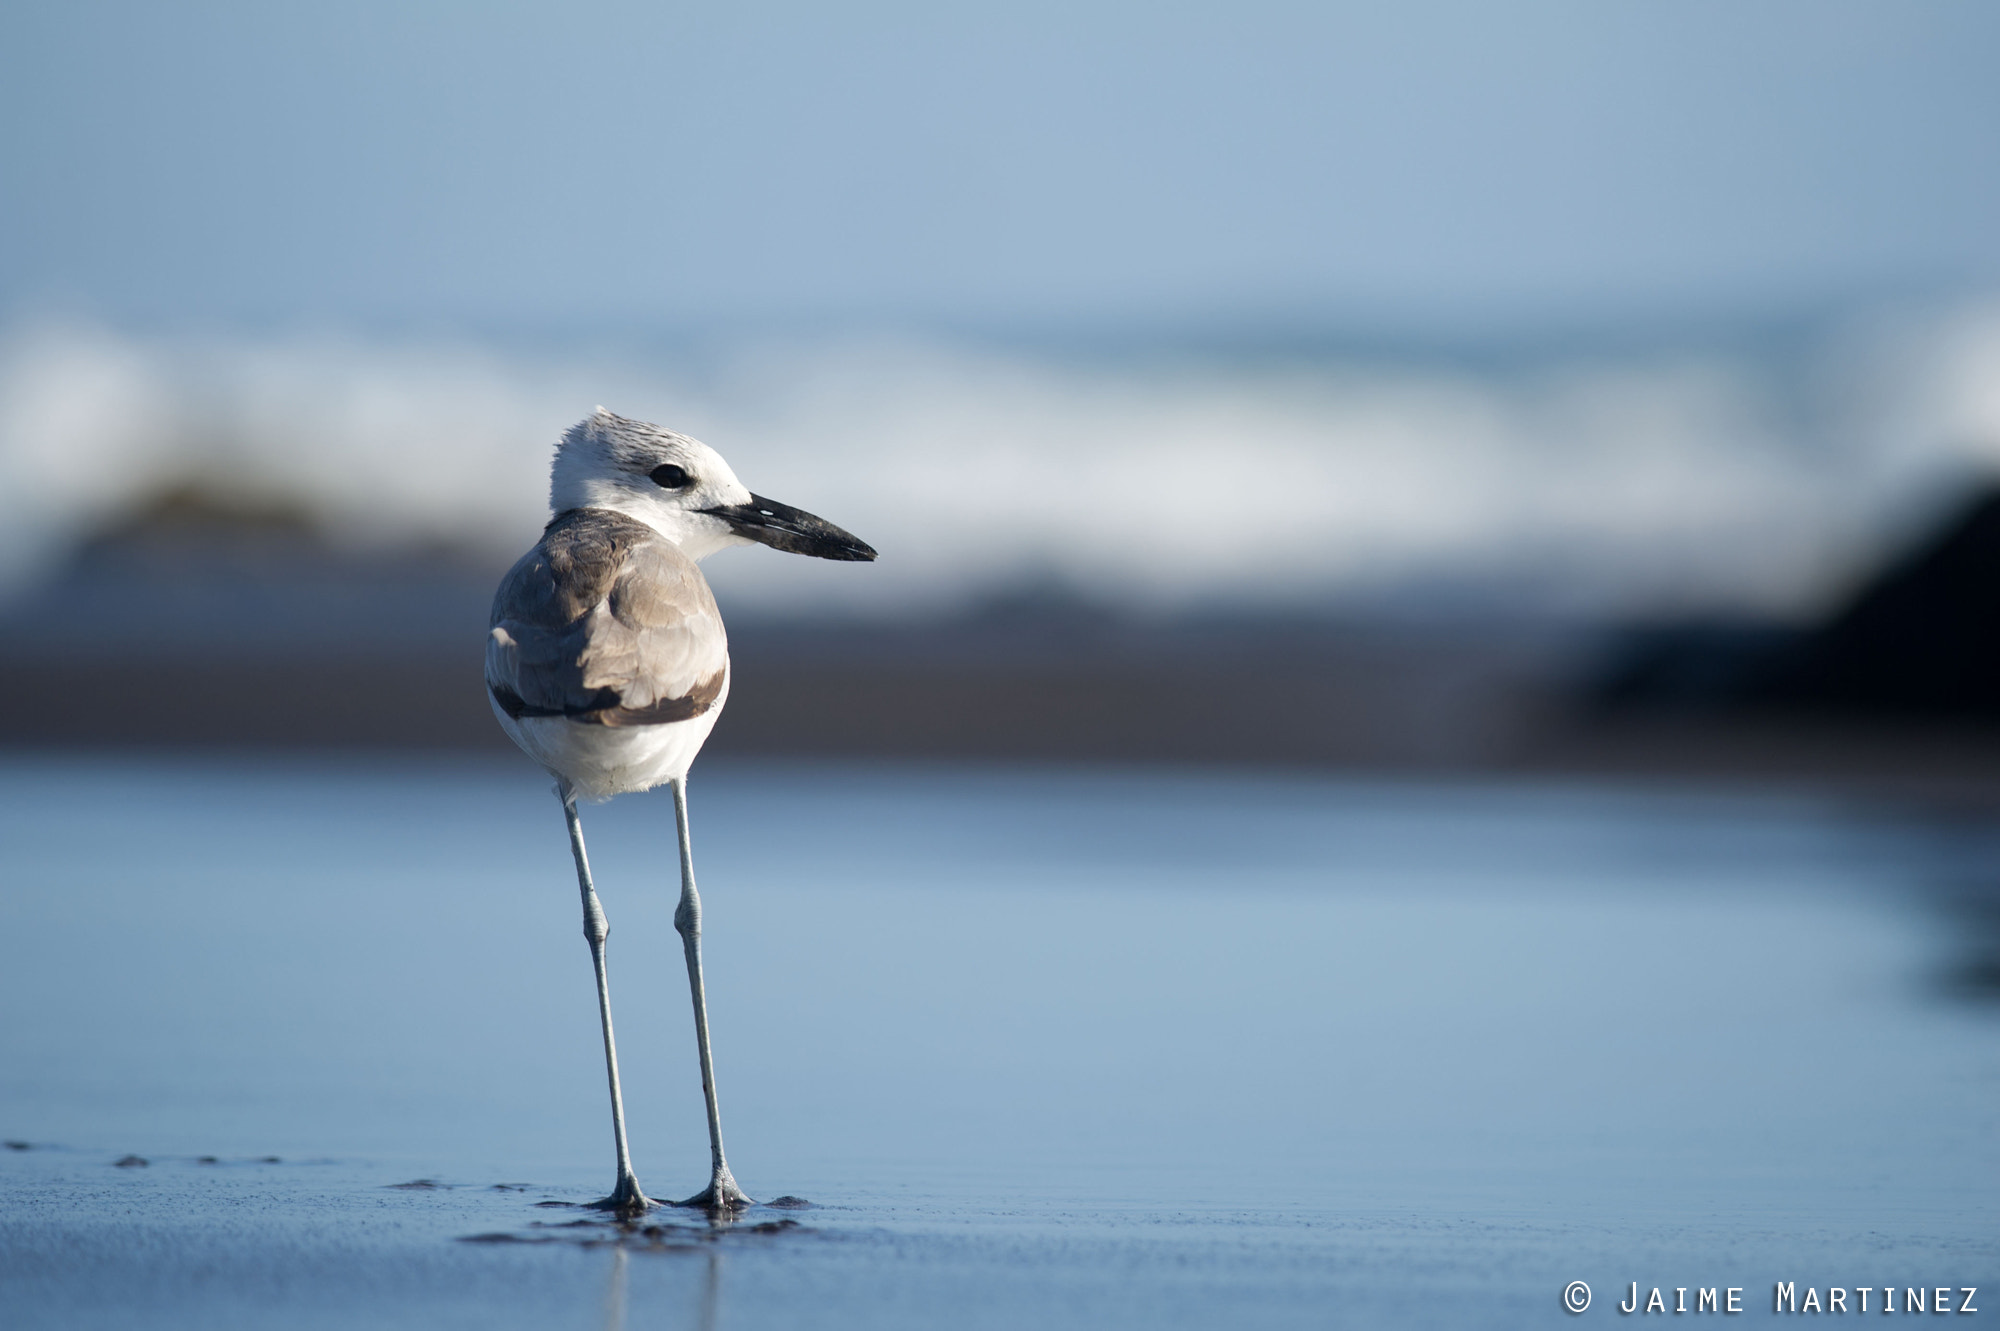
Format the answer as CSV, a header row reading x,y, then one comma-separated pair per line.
x,y
681,488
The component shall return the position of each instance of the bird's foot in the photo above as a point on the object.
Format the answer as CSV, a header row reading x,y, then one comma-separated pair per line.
x,y
627,1201
720,1198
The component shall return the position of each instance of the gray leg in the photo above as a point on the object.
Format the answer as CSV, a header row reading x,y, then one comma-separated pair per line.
x,y
627,1198
722,1192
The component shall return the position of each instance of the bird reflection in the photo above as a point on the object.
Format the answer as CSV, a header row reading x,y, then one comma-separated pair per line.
x,y
711,1292
614,1297
707,1308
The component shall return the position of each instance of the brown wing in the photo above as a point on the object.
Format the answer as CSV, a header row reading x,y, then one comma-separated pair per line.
x,y
605,622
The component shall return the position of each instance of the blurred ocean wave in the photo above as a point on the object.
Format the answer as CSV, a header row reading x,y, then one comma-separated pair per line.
x,y
1706,478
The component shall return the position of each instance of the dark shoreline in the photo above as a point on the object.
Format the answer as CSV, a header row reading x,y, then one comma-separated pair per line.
x,y
1438,711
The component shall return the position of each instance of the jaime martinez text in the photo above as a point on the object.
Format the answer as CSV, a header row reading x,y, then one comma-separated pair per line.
x,y
1787,1296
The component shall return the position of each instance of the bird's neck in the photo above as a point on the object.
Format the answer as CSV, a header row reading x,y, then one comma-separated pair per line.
x,y
690,533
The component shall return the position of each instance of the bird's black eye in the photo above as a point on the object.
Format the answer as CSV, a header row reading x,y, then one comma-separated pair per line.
x,y
670,476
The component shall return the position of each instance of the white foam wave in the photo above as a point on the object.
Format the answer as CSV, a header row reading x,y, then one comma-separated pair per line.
x,y
1711,480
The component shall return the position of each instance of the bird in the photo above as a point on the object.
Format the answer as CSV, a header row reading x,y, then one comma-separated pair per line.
x,y
606,662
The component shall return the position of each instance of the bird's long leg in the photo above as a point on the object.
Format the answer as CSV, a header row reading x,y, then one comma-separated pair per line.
x,y
627,1198
722,1192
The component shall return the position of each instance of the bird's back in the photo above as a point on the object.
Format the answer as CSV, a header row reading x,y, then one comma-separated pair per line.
x,y
604,627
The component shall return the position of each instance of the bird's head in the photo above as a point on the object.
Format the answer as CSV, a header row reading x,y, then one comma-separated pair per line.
x,y
682,489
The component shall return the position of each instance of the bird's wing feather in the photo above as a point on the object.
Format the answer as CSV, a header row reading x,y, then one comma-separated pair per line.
x,y
605,621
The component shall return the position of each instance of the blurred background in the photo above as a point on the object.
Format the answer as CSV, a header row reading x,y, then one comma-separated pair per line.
x,y
1429,706
1433,385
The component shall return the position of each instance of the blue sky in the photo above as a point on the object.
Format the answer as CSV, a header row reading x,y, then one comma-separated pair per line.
x,y
1438,167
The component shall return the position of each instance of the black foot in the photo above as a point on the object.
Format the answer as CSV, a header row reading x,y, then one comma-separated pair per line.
x,y
628,1201
720,1197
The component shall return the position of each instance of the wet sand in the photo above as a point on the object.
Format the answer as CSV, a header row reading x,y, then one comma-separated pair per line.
x,y
1067,1049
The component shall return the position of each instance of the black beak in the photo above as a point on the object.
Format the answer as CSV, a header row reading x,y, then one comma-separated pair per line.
x,y
783,527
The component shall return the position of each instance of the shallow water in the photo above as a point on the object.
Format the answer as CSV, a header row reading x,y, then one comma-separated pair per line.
x,y
1066,1049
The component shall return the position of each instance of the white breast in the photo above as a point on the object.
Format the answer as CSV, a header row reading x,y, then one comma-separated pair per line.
x,y
602,761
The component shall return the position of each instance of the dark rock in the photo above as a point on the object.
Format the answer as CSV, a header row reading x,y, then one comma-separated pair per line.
x,y
1921,638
